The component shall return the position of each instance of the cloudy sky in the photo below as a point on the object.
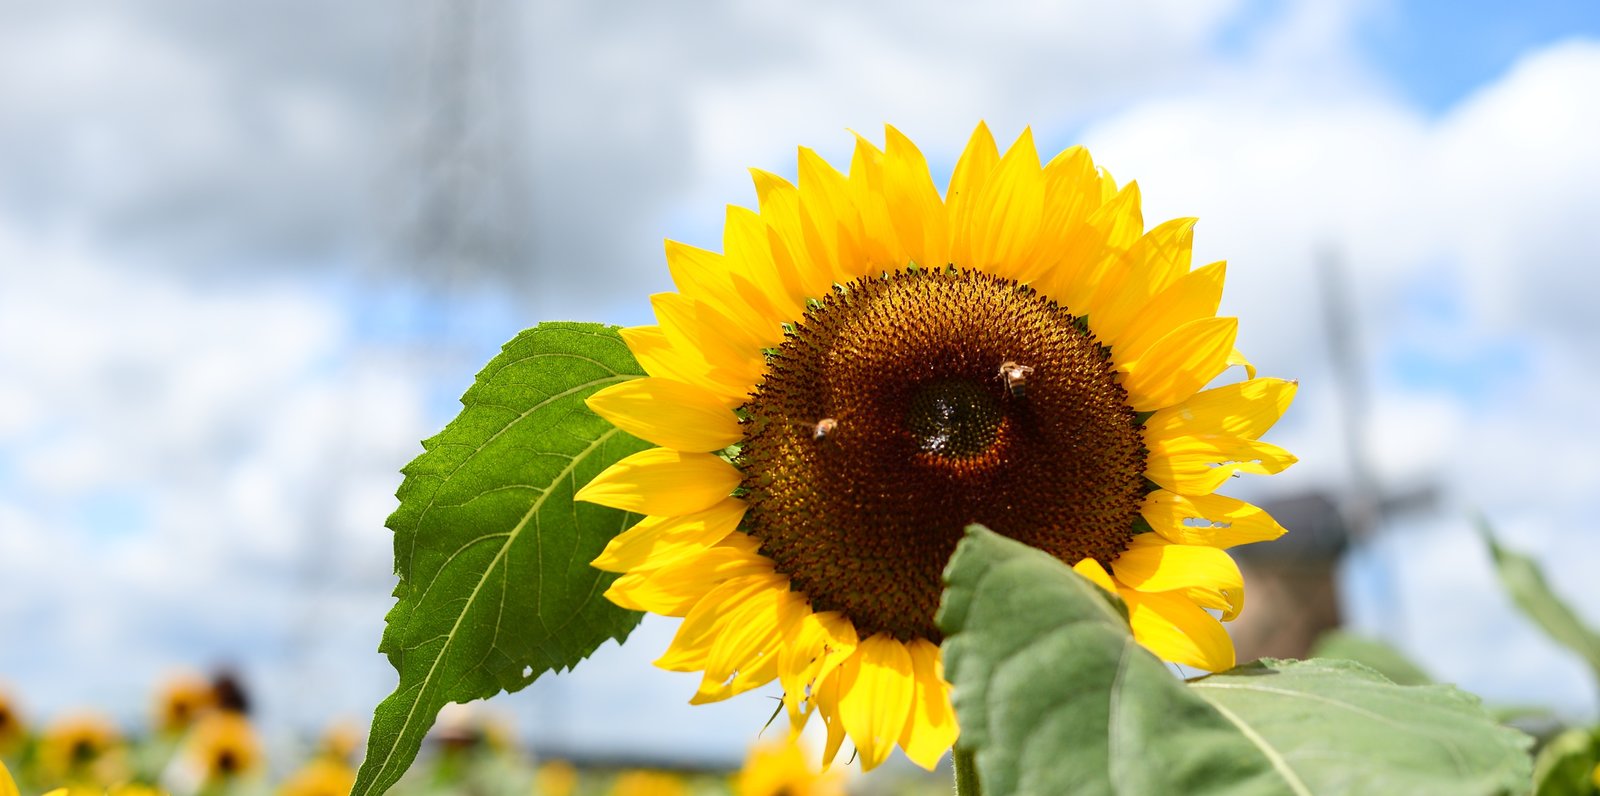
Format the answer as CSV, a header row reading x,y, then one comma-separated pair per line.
x,y
251,253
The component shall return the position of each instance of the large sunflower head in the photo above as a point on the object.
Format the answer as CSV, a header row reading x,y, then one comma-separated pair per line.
x,y
869,367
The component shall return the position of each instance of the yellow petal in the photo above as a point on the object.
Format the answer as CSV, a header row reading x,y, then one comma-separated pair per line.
x,y
8,786
709,277
913,202
931,729
701,624
654,542
1237,358
880,245
1148,268
1121,217
1177,630
749,635
829,219
819,644
1244,409
658,357
1007,214
734,357
1206,574
1092,570
1213,520
1095,249
1193,296
674,590
972,172
669,413
747,238
1197,465
875,695
827,702
663,482
1179,364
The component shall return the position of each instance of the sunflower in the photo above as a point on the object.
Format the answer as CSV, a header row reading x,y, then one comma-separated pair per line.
x,y
780,769
556,778
649,783
180,700
868,368
11,726
81,749
224,748
321,777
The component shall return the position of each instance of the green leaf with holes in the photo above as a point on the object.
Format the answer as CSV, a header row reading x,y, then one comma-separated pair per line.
x,y
491,551
1054,696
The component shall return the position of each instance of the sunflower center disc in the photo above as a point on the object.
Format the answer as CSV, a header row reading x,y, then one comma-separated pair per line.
x,y
927,436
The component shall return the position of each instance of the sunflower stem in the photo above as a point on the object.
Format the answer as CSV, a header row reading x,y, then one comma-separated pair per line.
x,y
966,773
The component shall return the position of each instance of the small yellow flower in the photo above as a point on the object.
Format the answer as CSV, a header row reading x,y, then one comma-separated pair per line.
x,y
11,726
341,741
181,700
556,778
1595,775
780,769
82,749
324,777
649,783
116,790
224,747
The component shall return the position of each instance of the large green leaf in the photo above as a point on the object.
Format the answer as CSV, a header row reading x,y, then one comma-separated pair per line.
x,y
1525,582
1054,696
491,551
1378,655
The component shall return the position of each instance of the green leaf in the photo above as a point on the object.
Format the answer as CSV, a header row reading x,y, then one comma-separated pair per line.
x,y
1565,766
491,551
1054,696
1372,653
1525,582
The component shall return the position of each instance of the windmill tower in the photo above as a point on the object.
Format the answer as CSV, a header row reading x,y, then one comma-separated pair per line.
x,y
451,219
461,195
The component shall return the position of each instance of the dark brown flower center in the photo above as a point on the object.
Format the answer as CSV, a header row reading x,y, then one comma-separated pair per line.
x,y
886,424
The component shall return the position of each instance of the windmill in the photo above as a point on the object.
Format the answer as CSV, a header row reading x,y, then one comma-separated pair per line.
x,y
1292,583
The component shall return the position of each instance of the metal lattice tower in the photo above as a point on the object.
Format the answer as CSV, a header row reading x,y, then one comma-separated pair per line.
x,y
461,199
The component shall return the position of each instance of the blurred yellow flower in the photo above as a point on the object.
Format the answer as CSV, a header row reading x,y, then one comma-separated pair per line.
x,y
340,741
181,700
556,778
649,783
224,747
8,786
11,727
780,769
323,777
1595,775
82,749
118,790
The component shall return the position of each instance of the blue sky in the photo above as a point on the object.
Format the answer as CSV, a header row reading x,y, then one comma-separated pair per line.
x,y
218,356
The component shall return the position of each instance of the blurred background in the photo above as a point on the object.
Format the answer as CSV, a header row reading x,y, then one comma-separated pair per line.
x,y
251,253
